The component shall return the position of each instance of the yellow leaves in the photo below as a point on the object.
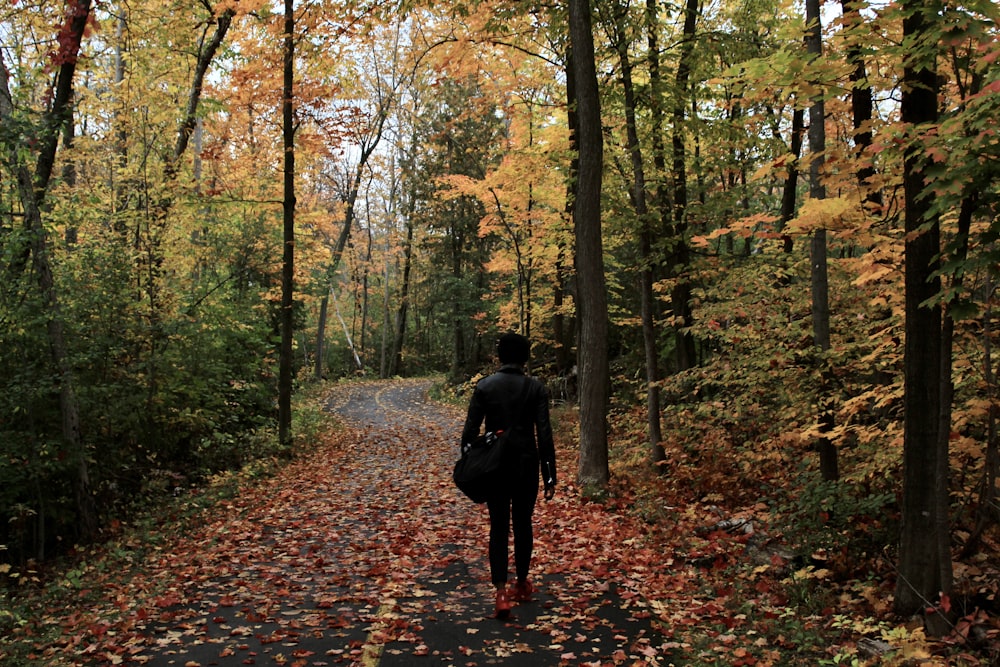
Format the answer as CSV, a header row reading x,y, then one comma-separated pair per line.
x,y
832,213
454,186
810,572
874,272
978,407
240,7
859,625
912,644
778,166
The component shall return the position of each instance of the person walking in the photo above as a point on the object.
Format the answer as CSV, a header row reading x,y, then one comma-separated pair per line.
x,y
509,398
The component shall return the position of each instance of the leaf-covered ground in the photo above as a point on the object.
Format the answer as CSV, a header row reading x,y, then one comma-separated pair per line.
x,y
361,552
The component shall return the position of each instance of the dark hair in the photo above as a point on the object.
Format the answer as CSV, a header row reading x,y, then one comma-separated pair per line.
x,y
513,348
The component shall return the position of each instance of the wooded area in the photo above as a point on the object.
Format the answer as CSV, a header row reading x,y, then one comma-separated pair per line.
x,y
762,232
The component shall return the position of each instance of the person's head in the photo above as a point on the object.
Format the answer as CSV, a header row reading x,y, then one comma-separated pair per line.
x,y
513,348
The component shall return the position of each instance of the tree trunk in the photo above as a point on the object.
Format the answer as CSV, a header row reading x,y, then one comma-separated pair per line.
x,y
862,104
206,54
988,509
818,250
925,542
654,427
386,340
335,254
656,106
402,312
319,371
592,302
363,325
69,175
646,261
680,295
288,215
561,332
395,362
788,194
817,189
457,328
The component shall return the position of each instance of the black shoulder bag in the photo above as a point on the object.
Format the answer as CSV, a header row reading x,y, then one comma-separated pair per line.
x,y
478,473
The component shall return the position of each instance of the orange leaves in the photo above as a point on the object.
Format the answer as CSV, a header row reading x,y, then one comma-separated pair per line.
x,y
758,224
832,213
240,7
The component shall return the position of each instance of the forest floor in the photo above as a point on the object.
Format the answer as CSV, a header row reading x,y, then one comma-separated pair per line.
x,y
361,552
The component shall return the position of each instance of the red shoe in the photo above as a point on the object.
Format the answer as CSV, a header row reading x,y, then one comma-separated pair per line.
x,y
522,591
503,602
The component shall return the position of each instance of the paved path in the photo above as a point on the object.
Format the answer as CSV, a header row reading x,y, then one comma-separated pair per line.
x,y
563,625
364,554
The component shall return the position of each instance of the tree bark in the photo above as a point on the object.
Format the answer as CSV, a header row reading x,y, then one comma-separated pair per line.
x,y
817,189
656,115
680,295
789,194
829,468
646,261
402,313
592,305
288,238
862,104
562,332
925,543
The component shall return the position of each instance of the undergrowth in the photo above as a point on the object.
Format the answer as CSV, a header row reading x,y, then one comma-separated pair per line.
x,y
168,507
802,567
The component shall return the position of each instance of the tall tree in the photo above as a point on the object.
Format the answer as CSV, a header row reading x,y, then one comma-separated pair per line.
x,y
818,247
288,236
637,194
592,304
680,295
461,130
817,189
789,191
862,102
656,114
925,543
393,364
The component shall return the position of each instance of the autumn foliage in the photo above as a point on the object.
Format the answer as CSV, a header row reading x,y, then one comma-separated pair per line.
x,y
435,148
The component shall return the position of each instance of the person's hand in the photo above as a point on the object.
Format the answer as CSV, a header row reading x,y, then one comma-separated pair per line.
x,y
550,492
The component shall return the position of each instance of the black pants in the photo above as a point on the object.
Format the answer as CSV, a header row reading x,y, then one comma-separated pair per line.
x,y
514,506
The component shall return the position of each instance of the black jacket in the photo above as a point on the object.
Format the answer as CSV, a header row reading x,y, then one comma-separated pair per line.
x,y
496,398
